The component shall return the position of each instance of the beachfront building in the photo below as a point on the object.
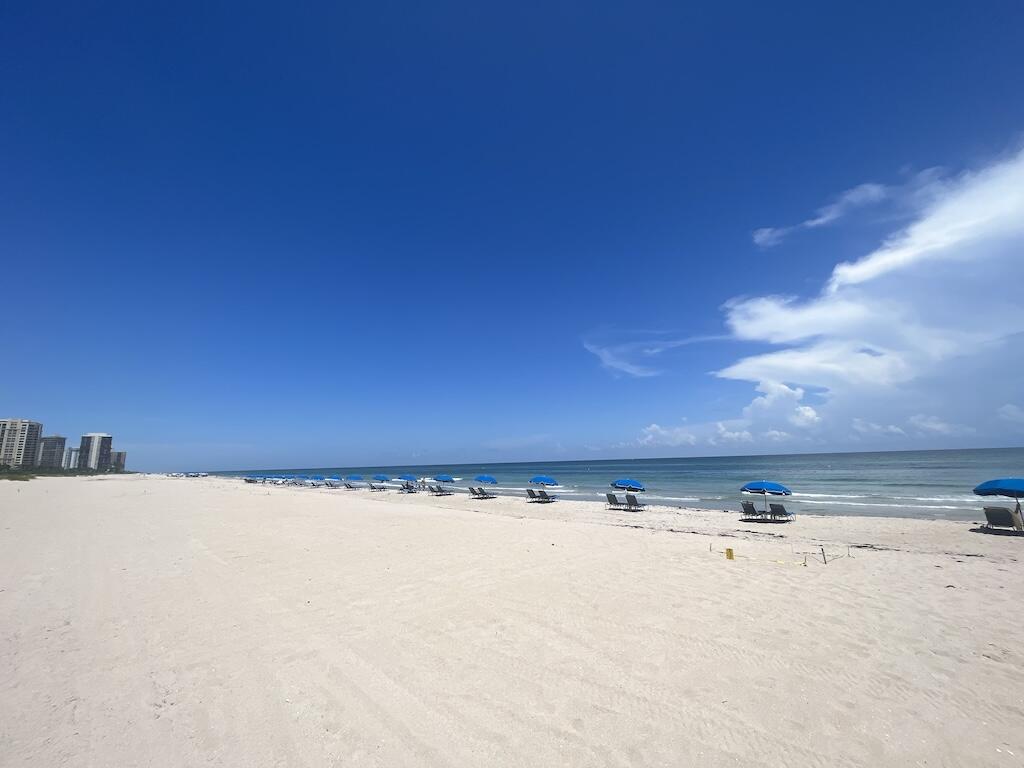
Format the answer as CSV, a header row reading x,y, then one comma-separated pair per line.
x,y
51,452
94,451
117,460
71,458
19,442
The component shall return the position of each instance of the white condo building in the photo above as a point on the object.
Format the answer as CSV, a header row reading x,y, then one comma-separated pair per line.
x,y
19,442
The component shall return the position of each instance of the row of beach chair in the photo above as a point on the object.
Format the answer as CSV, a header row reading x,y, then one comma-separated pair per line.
x,y
439,490
631,505
480,493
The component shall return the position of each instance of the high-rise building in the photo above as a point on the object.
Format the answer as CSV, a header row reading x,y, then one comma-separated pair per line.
x,y
51,452
94,451
19,442
71,458
117,460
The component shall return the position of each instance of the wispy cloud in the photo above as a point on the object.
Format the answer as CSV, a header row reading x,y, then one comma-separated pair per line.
x,y
1011,413
612,359
635,353
851,199
935,425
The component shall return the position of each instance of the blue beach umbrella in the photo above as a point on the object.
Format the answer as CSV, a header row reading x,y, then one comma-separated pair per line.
x,y
766,487
380,478
628,484
444,478
485,479
543,480
355,478
1004,486
408,478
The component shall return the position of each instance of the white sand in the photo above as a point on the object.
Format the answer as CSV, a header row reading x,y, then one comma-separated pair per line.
x,y
171,622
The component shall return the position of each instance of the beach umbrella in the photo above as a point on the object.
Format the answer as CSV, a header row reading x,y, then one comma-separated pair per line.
x,y
381,478
1012,487
766,487
444,478
543,480
485,479
355,478
408,478
628,484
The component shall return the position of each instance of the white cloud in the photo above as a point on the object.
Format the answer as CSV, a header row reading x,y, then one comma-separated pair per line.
x,y
804,416
978,209
1011,413
911,345
861,195
654,434
918,323
936,425
870,428
724,434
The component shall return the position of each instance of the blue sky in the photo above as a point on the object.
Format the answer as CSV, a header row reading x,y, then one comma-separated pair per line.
x,y
384,233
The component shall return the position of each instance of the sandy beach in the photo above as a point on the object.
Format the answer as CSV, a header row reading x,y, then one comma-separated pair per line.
x,y
161,621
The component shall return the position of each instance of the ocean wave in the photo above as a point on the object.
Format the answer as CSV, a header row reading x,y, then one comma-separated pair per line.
x,y
892,505
964,498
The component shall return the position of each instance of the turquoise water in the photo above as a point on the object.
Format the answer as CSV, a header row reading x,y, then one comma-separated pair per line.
x,y
926,484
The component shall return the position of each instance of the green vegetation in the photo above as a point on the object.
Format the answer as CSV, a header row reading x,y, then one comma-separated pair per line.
x,y
28,473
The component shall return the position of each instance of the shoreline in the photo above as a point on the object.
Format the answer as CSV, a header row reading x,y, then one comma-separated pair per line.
x,y
839,529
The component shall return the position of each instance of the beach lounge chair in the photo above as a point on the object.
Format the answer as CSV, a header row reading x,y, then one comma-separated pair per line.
x,y
473,492
750,512
779,512
377,487
408,487
542,495
482,494
632,504
531,495
613,502
1001,517
350,487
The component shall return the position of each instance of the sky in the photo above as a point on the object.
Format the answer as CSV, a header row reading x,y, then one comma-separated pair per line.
x,y
349,234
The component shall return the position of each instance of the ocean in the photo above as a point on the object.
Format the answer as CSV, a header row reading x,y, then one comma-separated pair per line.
x,y
921,484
